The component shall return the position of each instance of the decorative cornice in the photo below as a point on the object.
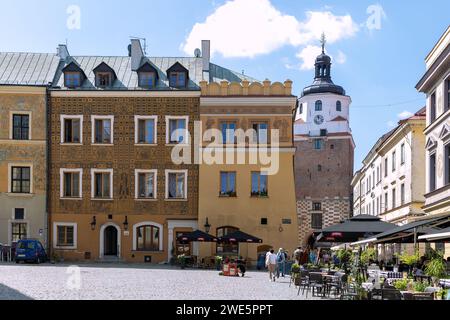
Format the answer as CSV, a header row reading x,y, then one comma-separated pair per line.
x,y
124,94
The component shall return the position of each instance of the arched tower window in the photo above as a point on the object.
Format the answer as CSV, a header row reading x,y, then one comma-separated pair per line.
x,y
318,105
338,106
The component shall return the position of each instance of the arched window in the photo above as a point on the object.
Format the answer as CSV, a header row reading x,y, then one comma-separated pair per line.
x,y
338,106
147,238
318,105
227,249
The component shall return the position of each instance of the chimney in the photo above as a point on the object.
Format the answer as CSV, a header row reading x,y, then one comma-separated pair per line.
x,y
62,52
206,54
136,54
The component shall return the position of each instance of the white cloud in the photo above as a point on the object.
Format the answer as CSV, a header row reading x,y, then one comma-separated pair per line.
x,y
405,114
341,57
308,56
247,28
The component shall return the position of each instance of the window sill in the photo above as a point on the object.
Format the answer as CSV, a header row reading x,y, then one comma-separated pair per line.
x,y
146,200
102,144
145,144
176,200
24,195
65,248
177,144
102,199
72,199
71,144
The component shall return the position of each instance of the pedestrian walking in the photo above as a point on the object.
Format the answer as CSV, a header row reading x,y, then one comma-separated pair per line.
x,y
271,263
297,255
281,263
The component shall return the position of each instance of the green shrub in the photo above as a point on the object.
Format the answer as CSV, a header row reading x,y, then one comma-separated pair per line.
x,y
402,284
367,255
436,268
419,286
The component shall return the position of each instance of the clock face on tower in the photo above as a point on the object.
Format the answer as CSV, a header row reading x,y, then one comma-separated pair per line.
x,y
318,119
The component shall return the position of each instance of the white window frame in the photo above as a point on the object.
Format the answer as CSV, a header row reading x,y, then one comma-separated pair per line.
x,y
149,223
185,184
11,123
136,184
136,130
55,235
19,164
76,117
168,118
61,183
111,184
96,117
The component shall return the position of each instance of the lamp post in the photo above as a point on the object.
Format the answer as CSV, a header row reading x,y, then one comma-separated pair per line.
x,y
207,226
93,223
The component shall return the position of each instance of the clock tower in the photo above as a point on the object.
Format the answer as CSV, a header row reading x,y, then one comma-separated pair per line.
x,y
324,153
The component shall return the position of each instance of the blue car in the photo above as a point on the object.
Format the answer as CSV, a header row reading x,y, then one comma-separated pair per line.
x,y
30,251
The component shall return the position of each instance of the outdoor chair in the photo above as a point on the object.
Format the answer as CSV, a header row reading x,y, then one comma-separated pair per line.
x,y
295,275
315,284
338,285
391,294
303,280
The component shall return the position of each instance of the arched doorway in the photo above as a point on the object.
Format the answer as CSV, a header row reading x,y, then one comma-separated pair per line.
x,y
109,241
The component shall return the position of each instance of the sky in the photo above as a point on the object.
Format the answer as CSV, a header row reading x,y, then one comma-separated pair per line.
x,y
378,46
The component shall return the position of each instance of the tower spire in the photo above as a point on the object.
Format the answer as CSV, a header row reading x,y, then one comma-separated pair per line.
x,y
323,41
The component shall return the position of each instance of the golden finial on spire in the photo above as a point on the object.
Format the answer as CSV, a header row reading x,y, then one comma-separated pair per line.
x,y
323,41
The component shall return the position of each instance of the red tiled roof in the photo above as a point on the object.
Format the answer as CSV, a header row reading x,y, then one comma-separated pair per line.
x,y
339,118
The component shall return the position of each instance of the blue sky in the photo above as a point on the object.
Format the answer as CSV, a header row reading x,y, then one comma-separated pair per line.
x,y
378,66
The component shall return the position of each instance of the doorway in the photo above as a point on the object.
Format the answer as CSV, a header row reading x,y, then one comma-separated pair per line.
x,y
110,244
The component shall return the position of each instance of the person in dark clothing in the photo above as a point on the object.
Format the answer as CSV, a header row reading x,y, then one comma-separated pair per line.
x,y
241,265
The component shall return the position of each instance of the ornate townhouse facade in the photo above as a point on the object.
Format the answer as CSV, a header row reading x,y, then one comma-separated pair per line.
x,y
435,83
324,154
248,196
24,78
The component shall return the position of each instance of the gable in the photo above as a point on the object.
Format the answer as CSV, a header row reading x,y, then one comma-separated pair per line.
x,y
445,132
72,67
103,67
178,67
431,143
147,67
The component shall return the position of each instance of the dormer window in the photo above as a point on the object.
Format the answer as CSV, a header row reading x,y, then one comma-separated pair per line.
x,y
178,76
104,76
147,79
103,79
72,79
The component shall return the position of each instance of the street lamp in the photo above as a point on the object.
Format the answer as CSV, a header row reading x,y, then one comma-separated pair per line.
x,y
93,223
207,226
125,223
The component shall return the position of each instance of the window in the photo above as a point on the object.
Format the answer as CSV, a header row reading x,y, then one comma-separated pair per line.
x,y
102,183
18,231
19,213
102,132
72,79
433,107
71,183
319,168
147,79
338,106
228,184
147,238
260,132
103,79
21,127
432,178
176,184
316,221
402,154
65,236
264,221
385,202
228,132
71,129
447,104
323,132
394,160
373,180
177,79
259,185
21,180
231,249
145,132
318,105
301,108
317,206
394,202
182,247
177,130
447,164
402,194
386,167
145,184
318,144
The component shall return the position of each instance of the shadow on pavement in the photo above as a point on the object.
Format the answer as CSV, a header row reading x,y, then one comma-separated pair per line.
x,y
7,293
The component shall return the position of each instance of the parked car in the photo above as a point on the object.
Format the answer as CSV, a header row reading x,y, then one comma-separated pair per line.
x,y
29,250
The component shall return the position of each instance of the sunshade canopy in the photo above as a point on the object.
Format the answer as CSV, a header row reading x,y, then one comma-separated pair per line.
x,y
354,229
197,236
239,236
437,235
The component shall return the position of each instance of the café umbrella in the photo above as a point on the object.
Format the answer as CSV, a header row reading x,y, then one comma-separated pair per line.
x,y
239,237
354,229
196,236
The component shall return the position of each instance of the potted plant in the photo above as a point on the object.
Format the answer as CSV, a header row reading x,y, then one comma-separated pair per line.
x,y
409,259
402,285
436,268
419,286
182,261
218,261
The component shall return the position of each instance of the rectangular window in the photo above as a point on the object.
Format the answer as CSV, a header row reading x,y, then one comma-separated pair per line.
x,y
146,131
373,180
72,79
18,231
228,184
21,127
177,130
259,185
176,185
402,154
386,202
21,180
19,213
177,79
394,160
65,236
146,185
402,194
394,202
447,164
432,178
260,132
147,79
71,185
102,185
447,104
386,167
72,130
103,131
433,107
317,206
316,221
104,79
318,144
323,132
228,132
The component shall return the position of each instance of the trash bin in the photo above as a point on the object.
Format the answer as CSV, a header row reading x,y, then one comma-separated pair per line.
x,y
230,270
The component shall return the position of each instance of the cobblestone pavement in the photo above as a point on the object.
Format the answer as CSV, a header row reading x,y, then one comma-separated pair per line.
x,y
137,282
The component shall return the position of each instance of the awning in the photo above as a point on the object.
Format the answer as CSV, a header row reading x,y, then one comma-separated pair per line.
x,y
438,235
195,236
239,237
354,229
406,233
